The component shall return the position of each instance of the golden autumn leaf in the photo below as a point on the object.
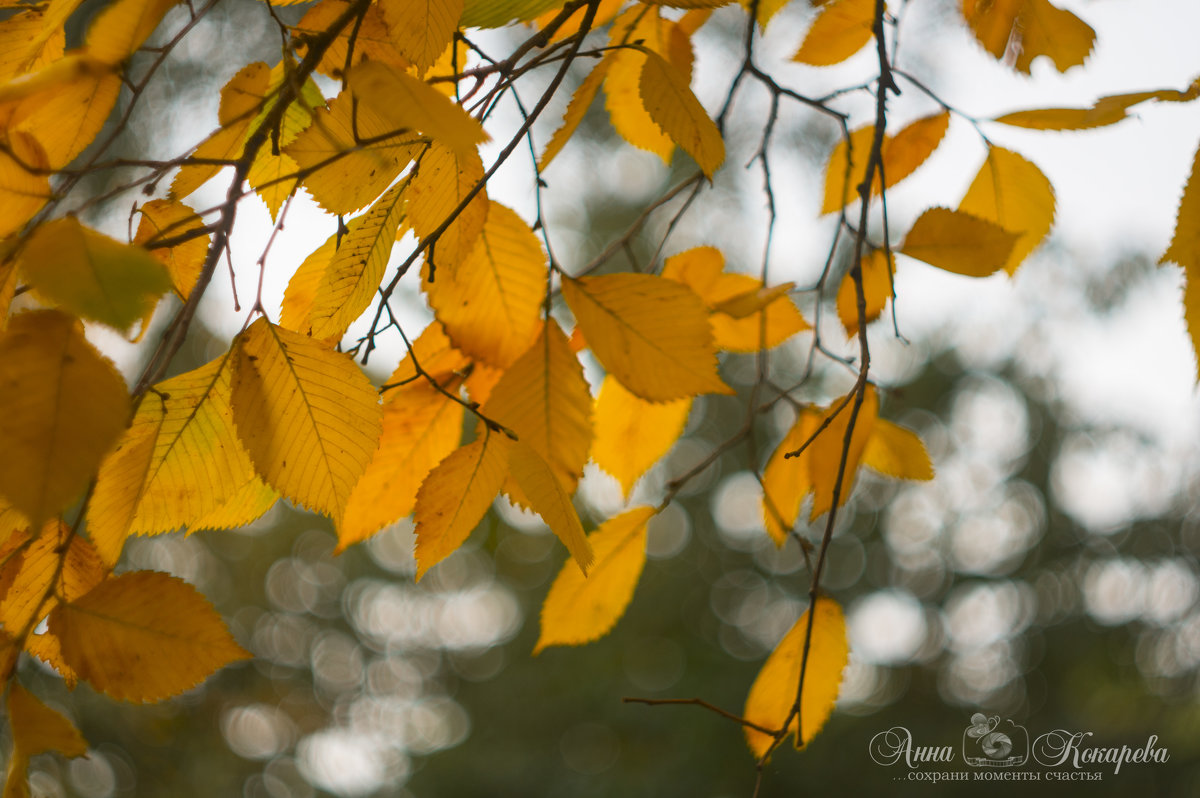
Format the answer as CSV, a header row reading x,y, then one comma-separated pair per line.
x,y
295,311
841,29
455,496
490,303
901,154
605,11
622,84
107,636
773,693
92,275
896,452
877,290
180,460
651,333
123,26
307,415
349,282
165,219
633,434
29,40
22,192
1013,193
247,504
498,13
824,454
34,569
581,100
669,101
549,498
736,302
422,29
36,729
545,400
959,242
1105,111
66,120
62,405
581,608
440,183
273,173
1029,28
1185,250
374,39
786,480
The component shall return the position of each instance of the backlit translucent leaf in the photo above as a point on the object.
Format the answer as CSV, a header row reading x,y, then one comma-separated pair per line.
x,y
31,567
581,100
896,452
633,434
702,270
877,290
1028,29
901,155
622,85
122,27
490,303
841,29
774,690
498,13
307,415
66,120
349,283
22,193
372,38
786,480
651,333
825,453
1185,250
456,495
37,729
164,219
579,609
441,182
138,650
548,497
422,29
404,102
605,11
180,460
959,242
62,405
1013,193
91,274
670,103
545,400
248,504
295,311
29,40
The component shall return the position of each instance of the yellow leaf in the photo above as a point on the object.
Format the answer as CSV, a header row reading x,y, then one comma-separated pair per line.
x,y
54,76
37,729
62,405
29,40
1013,193
91,274
434,353
406,103
422,29
605,11
1185,250
164,219
743,330
841,29
295,311
46,647
579,609
1029,28
545,400
669,101
896,452
373,38
242,96
498,13
548,497
622,85
22,193
581,100
248,504
456,495
786,480
348,285
122,27
307,415
767,9
633,434
825,453
877,290
901,155
138,650
66,120
651,333
441,182
959,242
28,571
774,690
490,303
180,460
352,152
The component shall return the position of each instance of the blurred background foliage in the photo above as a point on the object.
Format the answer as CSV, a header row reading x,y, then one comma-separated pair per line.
x,y
1047,575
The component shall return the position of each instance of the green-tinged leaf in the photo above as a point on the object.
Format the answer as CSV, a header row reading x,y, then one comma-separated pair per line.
x,y
668,99
62,405
774,690
579,609
959,242
1013,193
307,415
138,650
